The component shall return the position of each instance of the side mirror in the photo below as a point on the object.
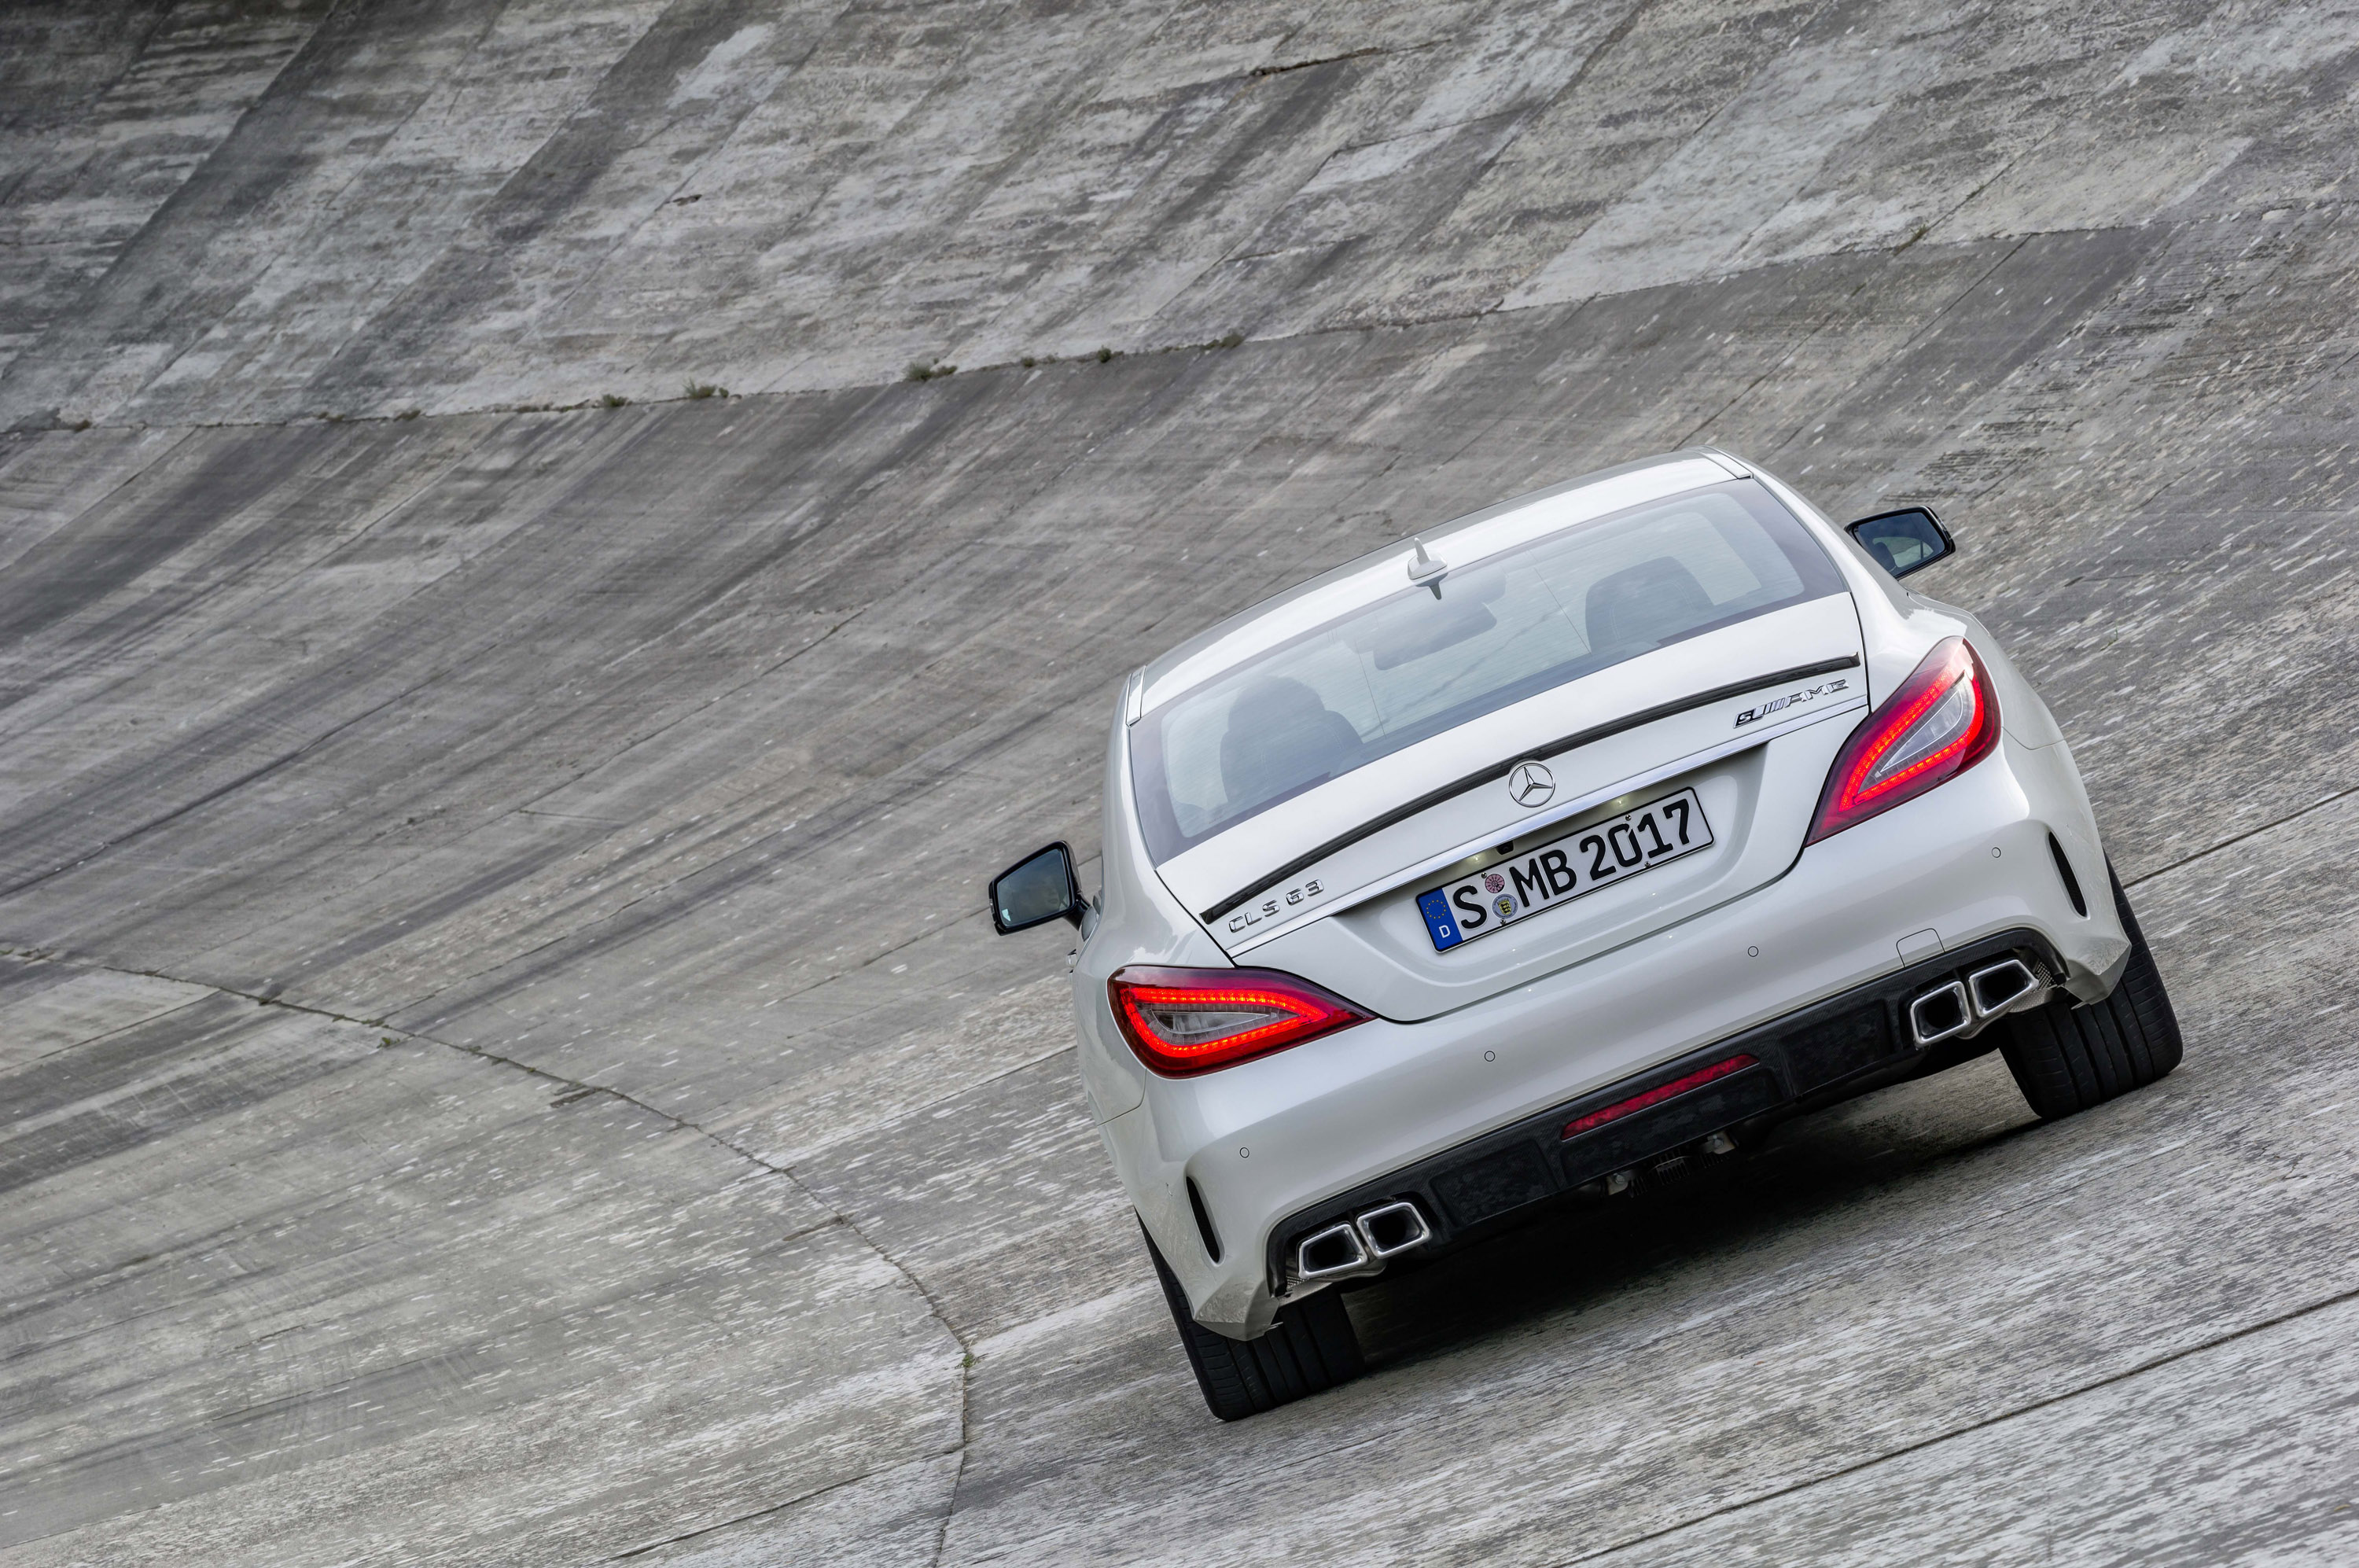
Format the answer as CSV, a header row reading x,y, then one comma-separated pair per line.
x,y
1035,890
1904,541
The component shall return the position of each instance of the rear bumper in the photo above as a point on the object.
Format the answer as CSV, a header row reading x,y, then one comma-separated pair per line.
x,y
1291,1134
1842,1045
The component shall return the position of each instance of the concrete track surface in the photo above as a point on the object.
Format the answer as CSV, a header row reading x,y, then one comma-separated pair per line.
x,y
502,1056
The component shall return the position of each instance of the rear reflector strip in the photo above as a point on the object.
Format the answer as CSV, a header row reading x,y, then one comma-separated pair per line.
x,y
1657,1096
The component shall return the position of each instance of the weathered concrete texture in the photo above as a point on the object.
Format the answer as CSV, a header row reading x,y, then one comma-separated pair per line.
x,y
724,1190
402,1299
255,212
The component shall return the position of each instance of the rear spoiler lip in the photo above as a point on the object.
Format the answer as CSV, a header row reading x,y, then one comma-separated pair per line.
x,y
1557,747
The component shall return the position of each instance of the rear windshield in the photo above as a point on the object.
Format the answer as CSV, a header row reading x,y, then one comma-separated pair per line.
x,y
1411,666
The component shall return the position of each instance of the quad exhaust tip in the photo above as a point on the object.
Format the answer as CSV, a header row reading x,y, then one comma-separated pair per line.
x,y
1957,1010
2009,985
1391,1229
1361,1244
1941,1013
1334,1253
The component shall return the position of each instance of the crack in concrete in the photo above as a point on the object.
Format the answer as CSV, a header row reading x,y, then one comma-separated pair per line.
x,y
1323,59
957,1475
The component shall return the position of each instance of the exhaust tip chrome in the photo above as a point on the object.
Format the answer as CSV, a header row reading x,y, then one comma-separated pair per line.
x,y
2009,985
1334,1253
1391,1229
1943,1013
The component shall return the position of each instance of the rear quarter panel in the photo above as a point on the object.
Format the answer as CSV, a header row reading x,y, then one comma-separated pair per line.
x,y
1138,922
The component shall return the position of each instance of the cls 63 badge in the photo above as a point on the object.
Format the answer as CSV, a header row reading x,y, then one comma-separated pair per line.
x,y
1271,907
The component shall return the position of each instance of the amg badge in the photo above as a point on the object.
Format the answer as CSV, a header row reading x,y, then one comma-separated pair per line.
x,y
1794,700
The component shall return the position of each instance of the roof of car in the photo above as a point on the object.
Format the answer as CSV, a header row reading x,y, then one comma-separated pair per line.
x,y
1383,573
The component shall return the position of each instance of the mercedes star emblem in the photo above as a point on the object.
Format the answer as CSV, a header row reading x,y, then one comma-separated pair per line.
x,y
1531,784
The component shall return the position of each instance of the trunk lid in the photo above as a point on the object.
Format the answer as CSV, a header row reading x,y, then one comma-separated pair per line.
x,y
1325,884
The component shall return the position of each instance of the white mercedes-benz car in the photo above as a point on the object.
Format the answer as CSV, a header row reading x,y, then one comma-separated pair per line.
x,y
1554,852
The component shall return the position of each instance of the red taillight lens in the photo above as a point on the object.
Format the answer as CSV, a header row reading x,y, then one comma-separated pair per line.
x,y
1193,1020
1942,720
1659,1093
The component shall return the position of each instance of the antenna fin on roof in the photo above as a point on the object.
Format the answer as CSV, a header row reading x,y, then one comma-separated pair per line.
x,y
1426,571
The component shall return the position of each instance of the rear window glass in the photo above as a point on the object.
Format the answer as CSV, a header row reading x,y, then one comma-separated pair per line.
x,y
1411,666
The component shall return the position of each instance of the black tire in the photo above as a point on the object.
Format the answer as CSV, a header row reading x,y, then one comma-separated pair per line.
x,y
1311,1347
2066,1057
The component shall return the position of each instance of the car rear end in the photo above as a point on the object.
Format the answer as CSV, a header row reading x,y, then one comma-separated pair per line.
x,y
1543,850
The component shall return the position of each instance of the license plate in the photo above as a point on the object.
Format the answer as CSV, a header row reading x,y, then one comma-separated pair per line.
x,y
1561,870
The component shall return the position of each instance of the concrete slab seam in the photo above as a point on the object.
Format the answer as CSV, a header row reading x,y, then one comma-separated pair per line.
x,y
2316,805
332,197
1931,323
704,1530
626,235
2033,1408
1501,306
576,1089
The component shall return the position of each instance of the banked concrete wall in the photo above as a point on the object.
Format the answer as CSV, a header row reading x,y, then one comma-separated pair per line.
x,y
231,213
504,1053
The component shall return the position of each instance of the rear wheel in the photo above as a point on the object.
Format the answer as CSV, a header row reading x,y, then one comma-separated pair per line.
x,y
2066,1058
1309,1348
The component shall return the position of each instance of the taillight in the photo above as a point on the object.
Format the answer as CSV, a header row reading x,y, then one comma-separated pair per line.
x,y
1193,1020
1942,720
